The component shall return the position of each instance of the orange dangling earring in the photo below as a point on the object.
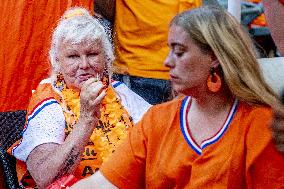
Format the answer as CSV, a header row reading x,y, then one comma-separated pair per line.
x,y
214,82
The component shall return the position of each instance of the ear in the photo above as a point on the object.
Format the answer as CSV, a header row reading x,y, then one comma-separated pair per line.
x,y
56,65
214,61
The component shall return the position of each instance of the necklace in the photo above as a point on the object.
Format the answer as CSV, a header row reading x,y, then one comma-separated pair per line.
x,y
113,125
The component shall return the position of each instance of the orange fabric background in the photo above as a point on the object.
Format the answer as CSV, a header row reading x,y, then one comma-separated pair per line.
x,y
25,32
141,37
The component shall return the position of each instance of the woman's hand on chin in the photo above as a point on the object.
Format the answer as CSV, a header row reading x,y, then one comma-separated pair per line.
x,y
91,95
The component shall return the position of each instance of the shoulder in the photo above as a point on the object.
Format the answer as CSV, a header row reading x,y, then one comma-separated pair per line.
x,y
256,120
44,89
255,113
121,88
169,106
160,119
135,105
44,95
164,112
116,84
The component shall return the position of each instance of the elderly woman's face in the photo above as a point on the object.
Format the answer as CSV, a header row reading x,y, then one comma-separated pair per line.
x,y
79,62
189,65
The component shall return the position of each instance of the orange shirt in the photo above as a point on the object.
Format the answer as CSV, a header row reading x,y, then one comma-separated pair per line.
x,y
25,33
255,1
141,31
160,152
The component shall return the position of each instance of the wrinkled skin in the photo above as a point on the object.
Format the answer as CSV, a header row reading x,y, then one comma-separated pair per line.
x,y
82,66
274,12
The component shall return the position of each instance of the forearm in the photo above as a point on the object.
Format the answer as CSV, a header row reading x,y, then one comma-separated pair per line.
x,y
49,162
70,151
105,8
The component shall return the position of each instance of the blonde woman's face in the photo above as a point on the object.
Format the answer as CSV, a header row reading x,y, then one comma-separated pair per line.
x,y
189,66
79,62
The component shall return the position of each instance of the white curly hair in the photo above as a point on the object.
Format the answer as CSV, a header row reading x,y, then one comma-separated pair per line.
x,y
75,26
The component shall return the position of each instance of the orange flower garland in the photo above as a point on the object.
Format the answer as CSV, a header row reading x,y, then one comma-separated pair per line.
x,y
113,124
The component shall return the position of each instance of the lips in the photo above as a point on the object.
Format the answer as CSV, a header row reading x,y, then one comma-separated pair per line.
x,y
173,77
85,77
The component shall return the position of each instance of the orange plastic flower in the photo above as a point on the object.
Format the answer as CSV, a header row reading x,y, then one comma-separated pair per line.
x,y
112,127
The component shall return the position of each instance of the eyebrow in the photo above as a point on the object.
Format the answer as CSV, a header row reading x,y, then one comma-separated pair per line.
x,y
71,51
175,44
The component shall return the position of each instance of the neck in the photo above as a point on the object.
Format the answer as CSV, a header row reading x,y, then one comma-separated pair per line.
x,y
213,103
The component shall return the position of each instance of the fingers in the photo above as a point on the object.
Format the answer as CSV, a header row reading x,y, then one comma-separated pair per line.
x,y
96,88
89,83
92,93
278,124
279,141
91,88
99,98
96,102
278,136
277,127
280,147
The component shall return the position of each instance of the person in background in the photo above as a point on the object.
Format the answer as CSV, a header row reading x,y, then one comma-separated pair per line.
x,y
274,12
140,33
216,136
78,116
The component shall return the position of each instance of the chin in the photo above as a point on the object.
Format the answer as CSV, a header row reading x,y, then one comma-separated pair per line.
x,y
178,87
78,87
184,91
179,90
75,86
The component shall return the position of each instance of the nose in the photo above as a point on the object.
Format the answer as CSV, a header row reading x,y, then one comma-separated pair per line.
x,y
169,61
84,62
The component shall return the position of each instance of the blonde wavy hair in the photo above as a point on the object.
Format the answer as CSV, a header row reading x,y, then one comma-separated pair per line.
x,y
215,30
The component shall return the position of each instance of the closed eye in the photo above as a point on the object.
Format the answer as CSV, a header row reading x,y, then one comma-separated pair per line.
x,y
178,54
92,54
73,56
178,50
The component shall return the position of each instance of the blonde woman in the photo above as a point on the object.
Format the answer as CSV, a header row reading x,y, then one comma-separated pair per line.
x,y
78,116
216,136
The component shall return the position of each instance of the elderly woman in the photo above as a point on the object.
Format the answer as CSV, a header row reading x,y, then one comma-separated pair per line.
x,y
76,117
217,135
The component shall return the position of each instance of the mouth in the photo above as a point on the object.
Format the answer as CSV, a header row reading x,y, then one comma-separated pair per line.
x,y
173,77
85,77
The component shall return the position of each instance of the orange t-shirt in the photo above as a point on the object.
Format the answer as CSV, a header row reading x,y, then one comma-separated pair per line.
x,y
25,34
160,152
141,31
